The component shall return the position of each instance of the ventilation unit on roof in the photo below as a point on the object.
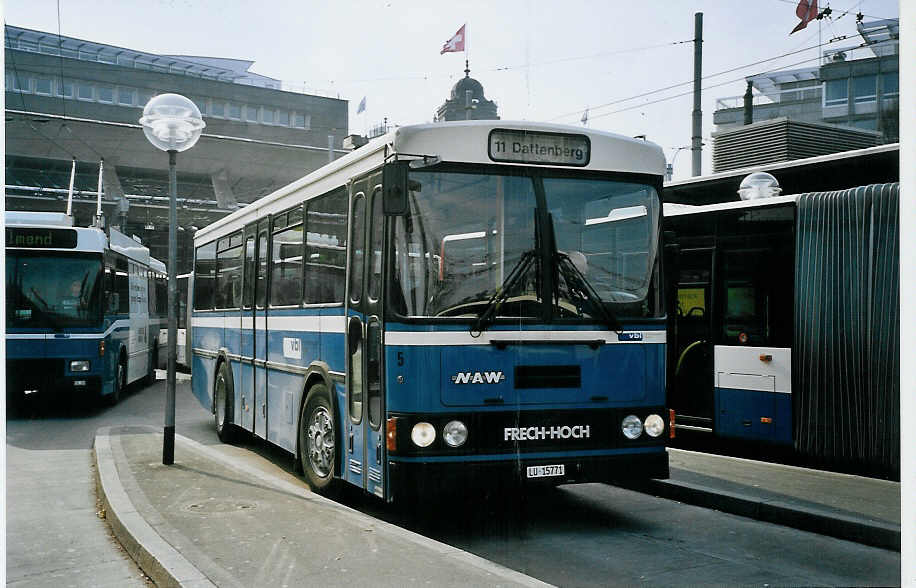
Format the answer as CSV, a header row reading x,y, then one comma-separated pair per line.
x,y
758,185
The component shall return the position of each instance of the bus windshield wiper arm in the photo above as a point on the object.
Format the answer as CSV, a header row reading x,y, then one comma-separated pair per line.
x,y
488,316
578,283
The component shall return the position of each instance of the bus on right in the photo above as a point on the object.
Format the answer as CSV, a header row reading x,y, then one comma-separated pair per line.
x,y
784,325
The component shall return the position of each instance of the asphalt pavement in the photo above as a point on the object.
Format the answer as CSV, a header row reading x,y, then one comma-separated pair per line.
x,y
213,518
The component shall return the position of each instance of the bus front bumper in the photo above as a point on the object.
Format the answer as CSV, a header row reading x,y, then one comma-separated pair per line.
x,y
409,477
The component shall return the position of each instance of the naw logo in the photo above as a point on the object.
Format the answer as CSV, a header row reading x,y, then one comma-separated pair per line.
x,y
487,377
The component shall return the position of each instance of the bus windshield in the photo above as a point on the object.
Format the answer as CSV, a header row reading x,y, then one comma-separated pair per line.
x,y
470,237
53,291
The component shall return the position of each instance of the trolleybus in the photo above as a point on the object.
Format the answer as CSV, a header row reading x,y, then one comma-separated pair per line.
x,y
82,311
451,303
786,325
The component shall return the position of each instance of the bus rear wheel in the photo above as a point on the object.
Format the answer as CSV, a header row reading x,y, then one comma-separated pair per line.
x,y
222,405
318,440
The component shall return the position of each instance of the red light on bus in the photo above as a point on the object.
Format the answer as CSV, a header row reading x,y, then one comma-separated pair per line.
x,y
742,337
671,423
102,348
766,420
391,434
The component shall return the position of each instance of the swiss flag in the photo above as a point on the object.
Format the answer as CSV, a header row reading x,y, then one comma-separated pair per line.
x,y
456,43
806,11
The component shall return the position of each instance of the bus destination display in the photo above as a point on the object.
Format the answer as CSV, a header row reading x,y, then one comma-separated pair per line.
x,y
539,148
40,238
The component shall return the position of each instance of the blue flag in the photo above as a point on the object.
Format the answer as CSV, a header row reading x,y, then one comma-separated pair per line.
x,y
362,105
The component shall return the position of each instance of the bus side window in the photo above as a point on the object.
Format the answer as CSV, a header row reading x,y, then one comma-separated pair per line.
x,y
746,298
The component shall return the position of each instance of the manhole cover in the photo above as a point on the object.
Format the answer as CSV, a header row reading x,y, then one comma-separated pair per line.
x,y
220,506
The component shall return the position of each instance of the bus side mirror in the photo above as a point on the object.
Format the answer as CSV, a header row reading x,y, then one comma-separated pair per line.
x,y
395,189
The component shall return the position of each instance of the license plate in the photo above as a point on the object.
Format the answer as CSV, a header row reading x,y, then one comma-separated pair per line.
x,y
546,471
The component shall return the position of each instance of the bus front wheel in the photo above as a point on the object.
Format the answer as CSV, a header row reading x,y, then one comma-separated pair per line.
x,y
222,405
318,440
120,382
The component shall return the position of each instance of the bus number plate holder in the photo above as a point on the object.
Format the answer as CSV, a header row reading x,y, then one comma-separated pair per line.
x,y
546,471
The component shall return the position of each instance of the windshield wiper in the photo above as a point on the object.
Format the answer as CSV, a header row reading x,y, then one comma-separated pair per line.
x,y
488,316
580,287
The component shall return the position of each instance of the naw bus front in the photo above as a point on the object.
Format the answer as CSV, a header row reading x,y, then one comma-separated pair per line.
x,y
522,328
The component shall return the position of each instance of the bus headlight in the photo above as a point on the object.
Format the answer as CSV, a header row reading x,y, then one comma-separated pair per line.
x,y
423,434
455,433
655,426
79,365
631,426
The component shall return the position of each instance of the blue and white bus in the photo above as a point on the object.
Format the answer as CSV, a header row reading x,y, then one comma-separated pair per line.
x,y
82,310
451,302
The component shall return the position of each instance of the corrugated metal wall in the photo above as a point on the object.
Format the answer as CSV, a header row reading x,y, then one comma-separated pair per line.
x,y
783,139
846,360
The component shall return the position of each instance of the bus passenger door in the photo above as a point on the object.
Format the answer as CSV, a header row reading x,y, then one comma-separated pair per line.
x,y
365,404
259,329
354,440
246,384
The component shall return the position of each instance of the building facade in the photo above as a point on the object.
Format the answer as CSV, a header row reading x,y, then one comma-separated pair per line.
x,y
70,99
467,102
855,87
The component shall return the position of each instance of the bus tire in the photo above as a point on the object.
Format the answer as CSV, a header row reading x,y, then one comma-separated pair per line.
x,y
120,381
318,440
223,405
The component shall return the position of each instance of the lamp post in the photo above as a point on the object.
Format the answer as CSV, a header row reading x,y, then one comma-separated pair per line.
x,y
172,123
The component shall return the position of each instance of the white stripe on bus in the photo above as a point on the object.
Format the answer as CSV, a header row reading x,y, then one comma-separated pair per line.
x,y
313,323
124,323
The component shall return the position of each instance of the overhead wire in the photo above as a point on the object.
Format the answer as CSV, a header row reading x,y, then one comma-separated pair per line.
x,y
707,77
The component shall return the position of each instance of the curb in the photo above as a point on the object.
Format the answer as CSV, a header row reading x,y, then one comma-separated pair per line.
x,y
160,561
867,532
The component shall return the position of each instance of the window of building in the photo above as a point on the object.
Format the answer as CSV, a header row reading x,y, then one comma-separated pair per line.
x,y
201,104
107,57
43,86
267,116
301,121
836,93
48,49
84,91
235,111
105,93
64,89
865,89
251,113
125,60
283,118
88,55
71,53
143,97
28,45
890,85
218,108
326,248
21,83
126,96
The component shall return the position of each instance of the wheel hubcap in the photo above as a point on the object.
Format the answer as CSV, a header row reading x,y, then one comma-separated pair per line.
x,y
321,442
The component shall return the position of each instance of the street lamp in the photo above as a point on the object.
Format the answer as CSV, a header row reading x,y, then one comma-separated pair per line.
x,y
172,123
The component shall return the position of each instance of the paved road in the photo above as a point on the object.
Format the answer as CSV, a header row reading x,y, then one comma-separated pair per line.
x,y
574,536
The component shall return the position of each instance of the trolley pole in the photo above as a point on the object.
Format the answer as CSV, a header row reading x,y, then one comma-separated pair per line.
x,y
696,148
168,442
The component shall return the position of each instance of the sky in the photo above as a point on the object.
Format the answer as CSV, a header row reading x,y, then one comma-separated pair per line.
x,y
539,60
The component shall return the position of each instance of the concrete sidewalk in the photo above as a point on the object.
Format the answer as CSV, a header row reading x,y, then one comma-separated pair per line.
x,y
215,518
211,520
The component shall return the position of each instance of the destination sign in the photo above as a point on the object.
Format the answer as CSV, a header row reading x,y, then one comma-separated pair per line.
x,y
35,238
517,146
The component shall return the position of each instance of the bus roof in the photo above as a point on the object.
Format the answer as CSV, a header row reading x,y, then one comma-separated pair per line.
x,y
467,141
674,209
